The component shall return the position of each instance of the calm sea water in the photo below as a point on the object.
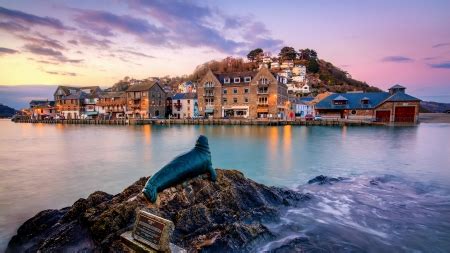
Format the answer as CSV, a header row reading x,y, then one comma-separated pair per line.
x,y
51,166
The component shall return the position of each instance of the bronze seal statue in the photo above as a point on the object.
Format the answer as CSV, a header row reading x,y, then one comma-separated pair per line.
x,y
188,165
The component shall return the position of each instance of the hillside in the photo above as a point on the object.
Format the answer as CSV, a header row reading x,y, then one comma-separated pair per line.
x,y
428,106
327,78
6,111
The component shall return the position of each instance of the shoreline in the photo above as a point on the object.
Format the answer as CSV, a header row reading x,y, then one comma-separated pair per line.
x,y
168,122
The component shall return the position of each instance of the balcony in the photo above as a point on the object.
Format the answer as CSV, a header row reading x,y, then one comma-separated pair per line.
x,y
262,104
209,94
262,92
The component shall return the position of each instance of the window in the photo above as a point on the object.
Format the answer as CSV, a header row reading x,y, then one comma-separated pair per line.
x,y
246,90
235,100
237,80
247,79
264,80
209,84
189,101
262,100
246,100
226,80
353,112
365,101
224,91
144,94
224,100
235,91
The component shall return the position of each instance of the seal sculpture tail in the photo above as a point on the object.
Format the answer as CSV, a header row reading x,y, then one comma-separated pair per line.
x,y
191,164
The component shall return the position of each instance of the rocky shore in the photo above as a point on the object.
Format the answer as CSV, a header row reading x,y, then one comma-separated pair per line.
x,y
223,216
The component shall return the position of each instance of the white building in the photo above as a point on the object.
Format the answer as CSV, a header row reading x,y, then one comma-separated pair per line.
x,y
275,65
184,105
303,106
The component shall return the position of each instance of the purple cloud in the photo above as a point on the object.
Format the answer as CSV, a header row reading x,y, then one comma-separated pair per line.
x,y
19,19
90,40
12,27
136,53
73,42
441,45
53,54
42,40
105,23
397,58
61,73
4,50
442,65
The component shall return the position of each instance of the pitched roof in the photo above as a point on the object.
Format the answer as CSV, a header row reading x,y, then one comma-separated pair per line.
x,y
76,95
112,94
185,96
401,97
232,75
142,86
353,100
397,86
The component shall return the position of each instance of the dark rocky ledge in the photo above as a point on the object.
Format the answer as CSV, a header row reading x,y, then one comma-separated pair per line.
x,y
225,216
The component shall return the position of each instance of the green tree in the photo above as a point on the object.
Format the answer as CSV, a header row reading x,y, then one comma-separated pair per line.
x,y
254,54
288,53
313,66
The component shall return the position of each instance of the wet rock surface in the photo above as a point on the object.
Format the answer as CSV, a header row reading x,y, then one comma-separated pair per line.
x,y
223,216
320,180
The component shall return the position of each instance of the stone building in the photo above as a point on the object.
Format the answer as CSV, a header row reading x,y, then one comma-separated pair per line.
x,y
184,105
70,100
392,106
112,105
146,100
251,94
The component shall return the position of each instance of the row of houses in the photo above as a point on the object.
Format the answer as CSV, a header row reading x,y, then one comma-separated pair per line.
x,y
139,101
258,94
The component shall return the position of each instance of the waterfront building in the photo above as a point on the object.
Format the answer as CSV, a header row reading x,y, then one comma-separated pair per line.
x,y
89,104
112,105
250,94
41,109
69,100
146,100
392,106
184,105
71,106
302,106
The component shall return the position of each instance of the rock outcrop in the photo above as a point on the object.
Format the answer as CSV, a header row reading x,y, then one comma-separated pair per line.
x,y
223,216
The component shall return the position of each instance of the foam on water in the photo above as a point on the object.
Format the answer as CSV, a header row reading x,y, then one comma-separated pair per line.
x,y
378,214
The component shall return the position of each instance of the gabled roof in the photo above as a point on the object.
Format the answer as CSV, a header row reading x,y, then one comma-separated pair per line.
x,y
66,89
340,98
184,96
142,86
76,95
401,97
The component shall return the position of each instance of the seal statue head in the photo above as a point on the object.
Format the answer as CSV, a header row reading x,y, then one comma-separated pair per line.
x,y
202,143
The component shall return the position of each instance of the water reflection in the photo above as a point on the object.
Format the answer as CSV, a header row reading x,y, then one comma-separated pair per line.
x,y
50,166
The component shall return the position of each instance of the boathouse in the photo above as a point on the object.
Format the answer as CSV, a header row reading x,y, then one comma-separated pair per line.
x,y
392,106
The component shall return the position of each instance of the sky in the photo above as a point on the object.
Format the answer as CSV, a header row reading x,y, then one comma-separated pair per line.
x,y
99,42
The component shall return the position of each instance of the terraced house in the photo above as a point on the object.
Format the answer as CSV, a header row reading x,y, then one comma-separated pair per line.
x,y
70,101
146,100
251,94
112,105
